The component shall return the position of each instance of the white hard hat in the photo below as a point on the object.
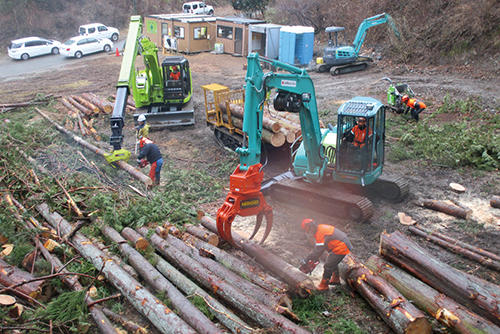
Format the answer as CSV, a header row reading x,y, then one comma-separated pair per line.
x,y
141,118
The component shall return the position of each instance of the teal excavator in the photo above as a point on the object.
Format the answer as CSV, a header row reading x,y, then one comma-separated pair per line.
x,y
341,58
162,92
326,165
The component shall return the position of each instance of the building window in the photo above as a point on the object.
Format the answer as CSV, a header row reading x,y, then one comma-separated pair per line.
x,y
179,32
200,33
225,32
164,28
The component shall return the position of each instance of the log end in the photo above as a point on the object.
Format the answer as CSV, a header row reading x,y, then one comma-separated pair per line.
x,y
458,188
213,240
141,244
419,326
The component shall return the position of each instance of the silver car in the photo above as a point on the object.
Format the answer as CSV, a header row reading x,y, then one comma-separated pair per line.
x,y
25,48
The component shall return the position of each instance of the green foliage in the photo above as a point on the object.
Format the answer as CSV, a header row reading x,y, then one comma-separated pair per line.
x,y
473,141
18,253
68,307
201,305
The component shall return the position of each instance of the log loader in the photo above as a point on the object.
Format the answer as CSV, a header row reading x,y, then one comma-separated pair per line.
x,y
324,165
161,92
341,58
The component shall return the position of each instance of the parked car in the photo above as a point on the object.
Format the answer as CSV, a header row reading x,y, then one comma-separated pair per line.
x,y
25,48
82,45
197,7
99,30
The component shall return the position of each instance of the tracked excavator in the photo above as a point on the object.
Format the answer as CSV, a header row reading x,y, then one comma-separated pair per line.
x,y
341,58
162,92
326,164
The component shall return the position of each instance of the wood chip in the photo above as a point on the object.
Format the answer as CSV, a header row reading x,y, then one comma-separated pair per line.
x,y
457,187
7,300
405,220
7,249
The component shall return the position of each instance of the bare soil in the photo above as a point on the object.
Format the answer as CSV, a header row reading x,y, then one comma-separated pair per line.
x,y
99,75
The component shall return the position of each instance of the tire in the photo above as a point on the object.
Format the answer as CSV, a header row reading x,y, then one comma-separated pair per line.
x,y
55,51
114,37
25,56
78,54
211,12
107,48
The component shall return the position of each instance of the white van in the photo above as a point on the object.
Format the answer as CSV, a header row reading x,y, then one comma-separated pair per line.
x,y
99,30
25,48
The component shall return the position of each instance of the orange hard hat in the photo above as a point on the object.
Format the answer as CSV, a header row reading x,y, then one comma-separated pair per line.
x,y
405,98
175,69
305,224
144,141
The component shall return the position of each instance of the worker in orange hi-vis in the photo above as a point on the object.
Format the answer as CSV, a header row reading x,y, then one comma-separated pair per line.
x,y
416,106
334,241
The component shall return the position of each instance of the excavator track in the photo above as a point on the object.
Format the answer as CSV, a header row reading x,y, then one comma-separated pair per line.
x,y
322,198
393,189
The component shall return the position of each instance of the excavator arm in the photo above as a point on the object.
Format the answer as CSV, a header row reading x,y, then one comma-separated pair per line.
x,y
367,24
295,93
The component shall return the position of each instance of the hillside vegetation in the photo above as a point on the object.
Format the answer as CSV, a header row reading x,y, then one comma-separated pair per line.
x,y
433,32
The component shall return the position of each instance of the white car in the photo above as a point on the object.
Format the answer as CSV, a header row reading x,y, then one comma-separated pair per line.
x,y
197,7
99,30
25,48
82,45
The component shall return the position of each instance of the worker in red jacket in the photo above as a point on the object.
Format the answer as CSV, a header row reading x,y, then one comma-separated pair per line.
x,y
150,153
416,106
335,242
359,133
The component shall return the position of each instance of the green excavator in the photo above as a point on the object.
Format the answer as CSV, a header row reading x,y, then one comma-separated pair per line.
x,y
326,165
161,92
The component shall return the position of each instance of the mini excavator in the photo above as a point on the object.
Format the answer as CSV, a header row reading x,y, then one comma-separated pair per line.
x,y
324,160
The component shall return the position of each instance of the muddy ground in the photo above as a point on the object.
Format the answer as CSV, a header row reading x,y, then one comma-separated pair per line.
x,y
99,74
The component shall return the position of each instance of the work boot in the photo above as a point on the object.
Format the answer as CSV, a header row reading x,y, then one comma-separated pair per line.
x,y
157,180
335,280
323,285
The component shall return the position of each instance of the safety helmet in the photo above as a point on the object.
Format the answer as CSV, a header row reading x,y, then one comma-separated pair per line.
x,y
143,141
306,223
361,120
405,98
141,118
175,69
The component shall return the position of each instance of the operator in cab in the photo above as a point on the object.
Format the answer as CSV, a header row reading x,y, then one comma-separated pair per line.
x,y
150,153
359,133
175,74
332,240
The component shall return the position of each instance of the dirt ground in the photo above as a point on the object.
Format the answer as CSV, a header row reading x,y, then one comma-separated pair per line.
x,y
99,75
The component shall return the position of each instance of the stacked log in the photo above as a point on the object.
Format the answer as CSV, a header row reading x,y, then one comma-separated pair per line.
x,y
391,306
480,296
495,202
441,307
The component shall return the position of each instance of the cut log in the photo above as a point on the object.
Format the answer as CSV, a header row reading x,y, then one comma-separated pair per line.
x,y
457,187
104,106
441,307
271,299
297,281
202,234
7,300
80,107
460,243
158,282
73,111
124,322
242,268
276,139
12,275
495,202
480,296
485,261
451,210
391,306
257,311
238,112
163,318
87,104
173,230
138,175
224,315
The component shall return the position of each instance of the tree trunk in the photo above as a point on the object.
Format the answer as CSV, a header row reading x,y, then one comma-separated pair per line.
x,y
461,244
12,275
202,234
441,307
225,316
242,268
277,139
495,202
146,303
485,261
86,104
391,306
78,106
124,322
103,106
480,296
296,279
238,111
451,210
253,309
187,311
271,299
138,175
